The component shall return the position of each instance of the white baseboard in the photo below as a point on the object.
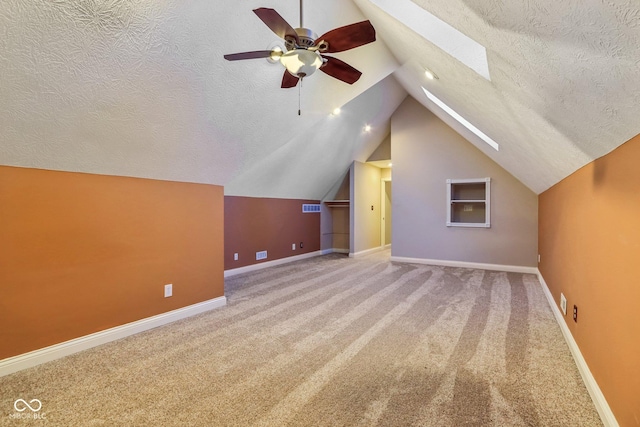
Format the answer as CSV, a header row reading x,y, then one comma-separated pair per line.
x,y
57,351
266,264
600,402
462,264
366,252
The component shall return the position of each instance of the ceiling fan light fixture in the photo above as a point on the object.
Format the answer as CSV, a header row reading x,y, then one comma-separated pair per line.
x,y
275,55
301,62
430,74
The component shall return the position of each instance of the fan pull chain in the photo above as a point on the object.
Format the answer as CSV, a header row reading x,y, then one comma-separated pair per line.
x,y
299,91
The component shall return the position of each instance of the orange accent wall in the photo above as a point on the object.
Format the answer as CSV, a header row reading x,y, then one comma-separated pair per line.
x,y
589,241
255,224
81,253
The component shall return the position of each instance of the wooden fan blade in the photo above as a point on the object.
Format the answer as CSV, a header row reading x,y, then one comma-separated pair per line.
x,y
289,80
248,55
276,23
340,70
347,37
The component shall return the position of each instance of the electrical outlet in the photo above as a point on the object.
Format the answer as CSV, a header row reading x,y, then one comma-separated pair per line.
x,y
235,256
168,290
293,246
538,258
301,245
563,304
575,313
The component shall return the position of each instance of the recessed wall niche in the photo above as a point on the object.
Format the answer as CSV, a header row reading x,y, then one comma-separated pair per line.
x,y
469,202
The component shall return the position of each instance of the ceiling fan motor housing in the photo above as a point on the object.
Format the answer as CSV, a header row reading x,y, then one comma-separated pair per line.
x,y
306,39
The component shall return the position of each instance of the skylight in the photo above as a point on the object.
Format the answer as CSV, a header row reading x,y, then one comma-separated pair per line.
x,y
461,120
464,49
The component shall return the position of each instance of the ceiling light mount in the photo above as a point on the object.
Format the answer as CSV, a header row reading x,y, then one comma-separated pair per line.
x,y
430,74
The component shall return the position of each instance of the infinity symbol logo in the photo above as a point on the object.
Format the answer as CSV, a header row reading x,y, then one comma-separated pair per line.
x,y
24,405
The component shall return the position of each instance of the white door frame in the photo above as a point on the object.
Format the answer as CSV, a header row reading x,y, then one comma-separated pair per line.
x,y
383,213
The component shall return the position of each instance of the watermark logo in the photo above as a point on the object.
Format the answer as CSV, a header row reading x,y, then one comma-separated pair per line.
x,y
28,410
21,405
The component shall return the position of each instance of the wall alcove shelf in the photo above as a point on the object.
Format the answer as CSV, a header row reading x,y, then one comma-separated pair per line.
x,y
469,202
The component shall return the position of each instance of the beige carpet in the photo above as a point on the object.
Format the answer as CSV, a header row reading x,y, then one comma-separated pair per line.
x,y
330,341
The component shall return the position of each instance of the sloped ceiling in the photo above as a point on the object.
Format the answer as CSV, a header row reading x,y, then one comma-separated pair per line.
x,y
565,78
140,88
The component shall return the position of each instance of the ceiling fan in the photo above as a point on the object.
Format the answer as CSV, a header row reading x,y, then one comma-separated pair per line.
x,y
305,51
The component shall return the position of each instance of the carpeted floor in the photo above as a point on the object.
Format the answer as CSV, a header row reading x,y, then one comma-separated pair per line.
x,y
330,341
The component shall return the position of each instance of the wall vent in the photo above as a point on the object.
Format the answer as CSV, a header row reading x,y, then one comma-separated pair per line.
x,y
261,255
310,208
563,304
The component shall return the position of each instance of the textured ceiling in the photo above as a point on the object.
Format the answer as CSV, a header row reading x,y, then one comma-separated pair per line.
x,y
565,78
140,88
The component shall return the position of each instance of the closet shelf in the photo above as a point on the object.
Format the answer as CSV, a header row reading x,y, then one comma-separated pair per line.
x,y
337,203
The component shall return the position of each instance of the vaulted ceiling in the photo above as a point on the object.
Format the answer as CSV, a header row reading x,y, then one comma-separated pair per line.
x,y
140,87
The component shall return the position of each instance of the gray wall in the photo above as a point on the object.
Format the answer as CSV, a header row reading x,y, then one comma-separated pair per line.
x,y
426,152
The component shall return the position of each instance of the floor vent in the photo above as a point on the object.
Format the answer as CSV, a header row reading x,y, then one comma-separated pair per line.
x,y
261,255
310,208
